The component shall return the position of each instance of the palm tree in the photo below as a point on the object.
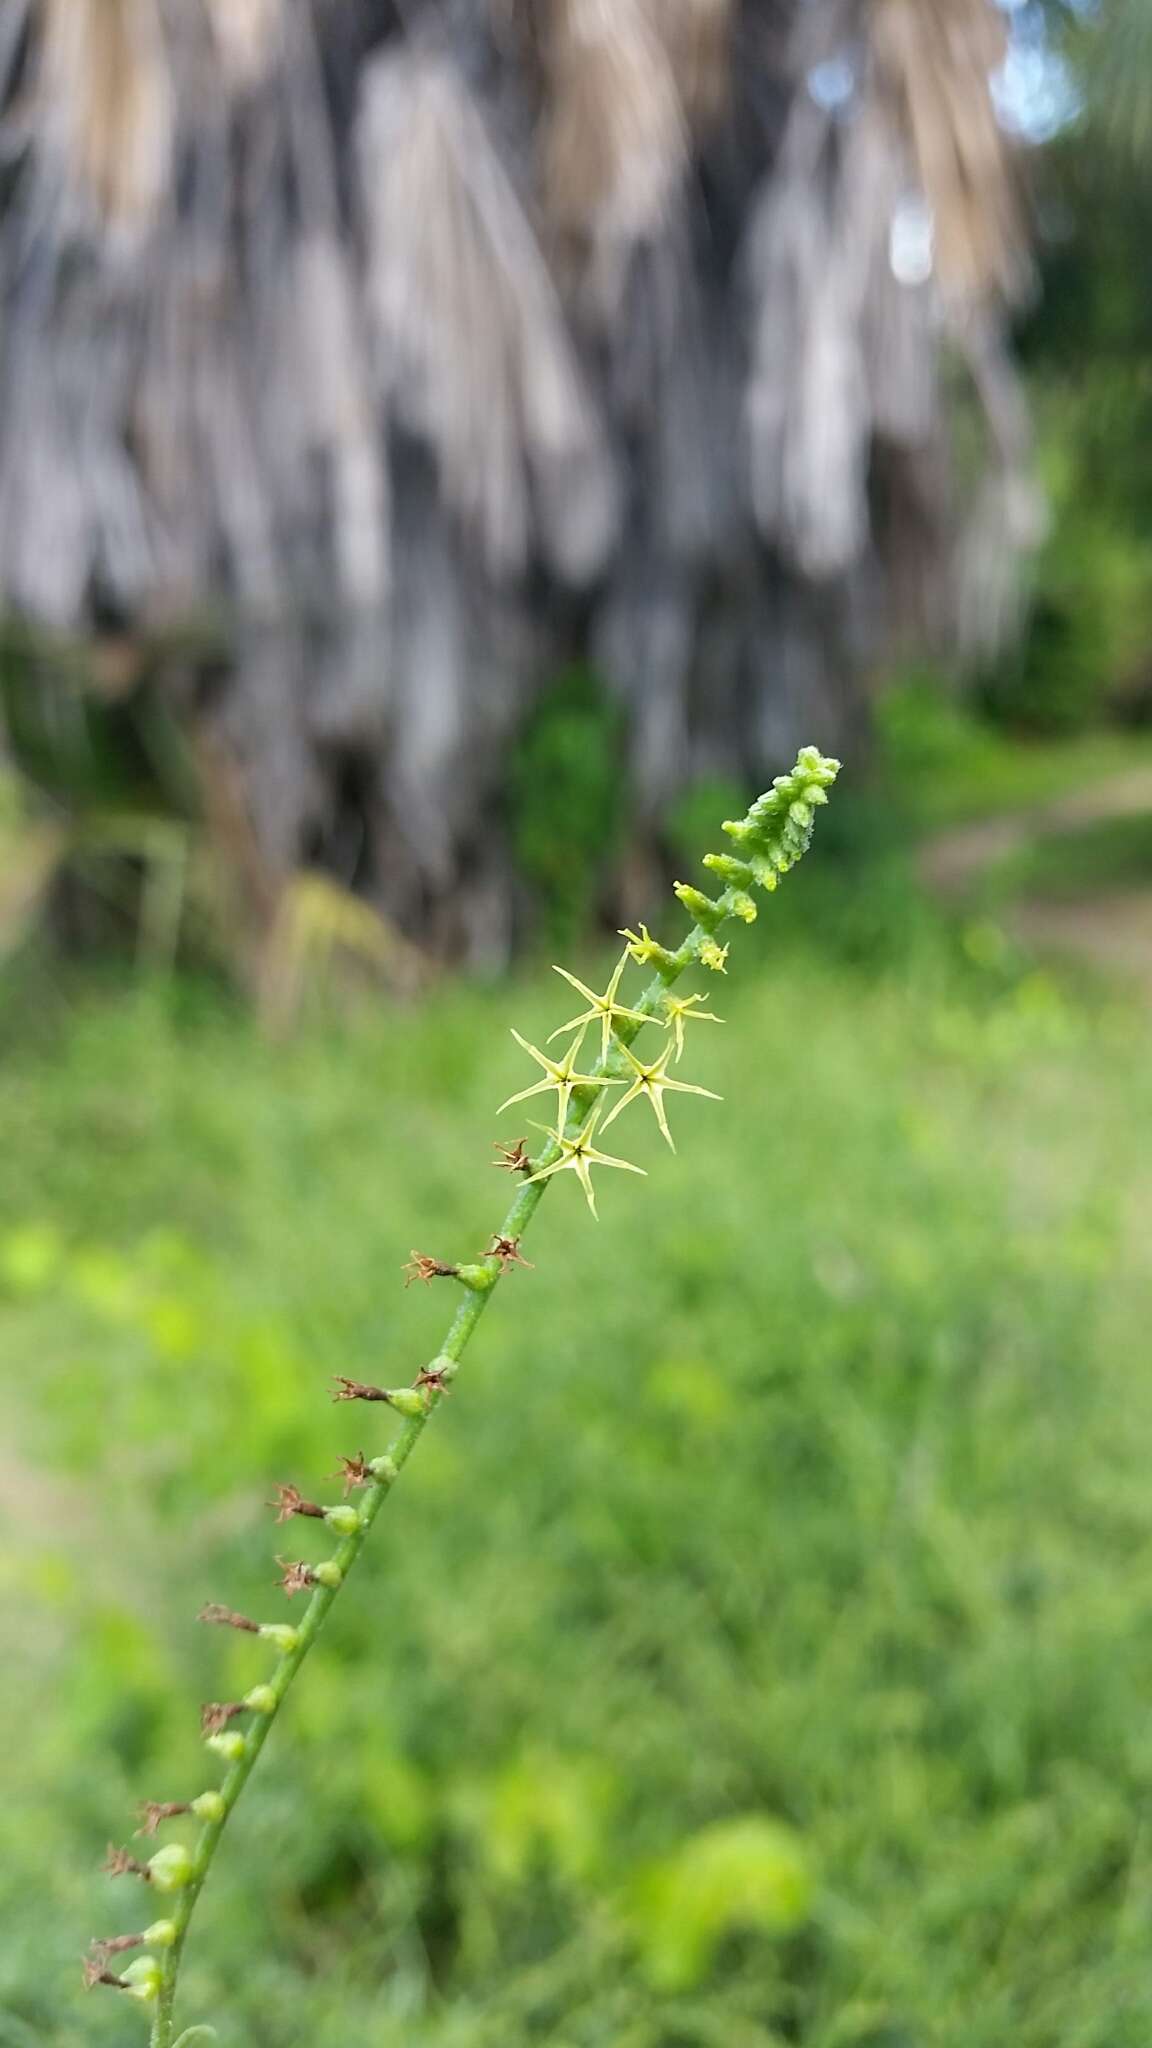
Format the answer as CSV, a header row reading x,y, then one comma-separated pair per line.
x,y
413,348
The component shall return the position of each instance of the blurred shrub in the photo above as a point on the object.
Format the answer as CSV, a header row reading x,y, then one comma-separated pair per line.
x,y
565,800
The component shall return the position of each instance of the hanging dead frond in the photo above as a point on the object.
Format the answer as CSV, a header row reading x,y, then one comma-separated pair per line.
x,y
246,33
105,105
934,62
472,351
615,144
697,35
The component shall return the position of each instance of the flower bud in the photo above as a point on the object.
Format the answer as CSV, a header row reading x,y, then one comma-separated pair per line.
x,y
328,1574
261,1700
209,1806
229,1744
699,906
142,1978
344,1520
171,1867
728,869
282,1634
740,905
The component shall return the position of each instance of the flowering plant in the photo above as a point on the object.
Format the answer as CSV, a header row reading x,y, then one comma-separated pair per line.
x,y
589,1095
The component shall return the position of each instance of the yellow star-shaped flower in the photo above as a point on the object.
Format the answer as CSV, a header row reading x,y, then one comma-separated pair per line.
x,y
652,1081
681,1010
558,1074
579,1155
604,1008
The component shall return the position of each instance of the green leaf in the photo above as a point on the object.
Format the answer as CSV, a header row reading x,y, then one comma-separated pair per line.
x,y
749,1873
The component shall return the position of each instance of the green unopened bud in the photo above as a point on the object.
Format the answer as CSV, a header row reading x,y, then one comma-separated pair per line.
x,y
699,906
261,1700
209,1806
229,1744
171,1867
142,1978
728,869
161,1934
740,905
406,1401
328,1574
765,873
343,1519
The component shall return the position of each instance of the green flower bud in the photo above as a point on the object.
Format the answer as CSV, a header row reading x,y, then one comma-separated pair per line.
x,y
161,1934
229,1744
209,1806
142,1978
740,905
728,869
328,1574
282,1634
699,906
261,1700
344,1520
171,1867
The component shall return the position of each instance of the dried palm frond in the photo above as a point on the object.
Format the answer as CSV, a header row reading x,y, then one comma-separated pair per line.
x,y
615,144
472,352
321,931
106,108
697,35
246,33
935,59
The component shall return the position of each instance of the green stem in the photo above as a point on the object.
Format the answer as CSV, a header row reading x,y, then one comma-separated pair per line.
x,y
376,1492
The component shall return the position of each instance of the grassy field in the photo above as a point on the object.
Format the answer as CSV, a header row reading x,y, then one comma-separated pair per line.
x,y
759,1650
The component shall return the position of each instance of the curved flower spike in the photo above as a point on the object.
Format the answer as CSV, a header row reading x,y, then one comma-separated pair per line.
x,y
681,1010
652,1080
604,1008
580,1155
558,1074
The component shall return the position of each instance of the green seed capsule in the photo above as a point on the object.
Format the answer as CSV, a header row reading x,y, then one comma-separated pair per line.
x,y
142,1978
229,1744
282,1634
406,1401
161,1934
261,1700
171,1867
209,1806
344,1520
328,1574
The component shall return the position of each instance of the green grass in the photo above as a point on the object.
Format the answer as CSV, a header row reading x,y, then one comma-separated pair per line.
x,y
943,767
807,1499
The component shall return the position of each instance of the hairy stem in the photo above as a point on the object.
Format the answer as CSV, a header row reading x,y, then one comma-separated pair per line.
x,y
387,1469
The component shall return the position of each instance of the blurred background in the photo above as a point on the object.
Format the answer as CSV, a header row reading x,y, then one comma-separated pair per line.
x,y
452,452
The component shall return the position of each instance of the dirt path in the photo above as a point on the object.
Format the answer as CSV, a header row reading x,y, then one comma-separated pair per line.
x,y
1112,929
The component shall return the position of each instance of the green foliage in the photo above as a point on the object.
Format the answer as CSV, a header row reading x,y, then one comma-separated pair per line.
x,y
565,790
810,1496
